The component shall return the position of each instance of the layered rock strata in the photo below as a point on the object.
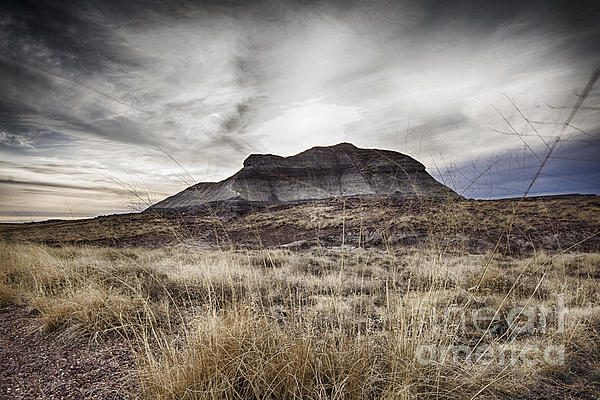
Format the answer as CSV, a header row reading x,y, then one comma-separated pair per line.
x,y
343,170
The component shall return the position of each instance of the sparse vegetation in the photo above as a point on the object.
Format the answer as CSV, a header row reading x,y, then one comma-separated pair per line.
x,y
391,322
461,226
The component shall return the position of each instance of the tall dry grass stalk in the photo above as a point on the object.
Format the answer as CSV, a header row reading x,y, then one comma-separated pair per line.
x,y
280,324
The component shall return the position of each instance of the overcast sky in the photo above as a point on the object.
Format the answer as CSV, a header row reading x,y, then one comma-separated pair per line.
x,y
105,101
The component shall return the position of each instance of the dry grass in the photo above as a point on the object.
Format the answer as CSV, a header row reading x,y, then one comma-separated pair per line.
x,y
318,324
468,226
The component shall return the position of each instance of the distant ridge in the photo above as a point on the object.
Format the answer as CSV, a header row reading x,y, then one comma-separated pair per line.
x,y
343,170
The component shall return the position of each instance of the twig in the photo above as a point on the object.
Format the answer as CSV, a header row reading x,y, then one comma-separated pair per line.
x,y
566,124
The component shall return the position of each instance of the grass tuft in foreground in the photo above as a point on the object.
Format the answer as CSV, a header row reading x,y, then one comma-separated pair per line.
x,y
325,324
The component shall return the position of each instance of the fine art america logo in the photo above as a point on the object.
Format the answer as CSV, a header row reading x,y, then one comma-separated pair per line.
x,y
486,336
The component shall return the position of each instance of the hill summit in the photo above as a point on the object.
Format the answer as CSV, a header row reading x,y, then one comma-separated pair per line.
x,y
343,170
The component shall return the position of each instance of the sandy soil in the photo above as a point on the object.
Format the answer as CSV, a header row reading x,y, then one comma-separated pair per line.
x,y
37,365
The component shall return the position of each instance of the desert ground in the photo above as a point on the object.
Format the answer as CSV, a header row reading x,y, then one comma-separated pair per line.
x,y
299,200
335,299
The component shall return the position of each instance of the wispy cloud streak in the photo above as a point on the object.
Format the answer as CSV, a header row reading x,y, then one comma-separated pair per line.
x,y
137,90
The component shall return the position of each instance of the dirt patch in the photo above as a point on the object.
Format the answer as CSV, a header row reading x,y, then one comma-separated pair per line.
x,y
36,365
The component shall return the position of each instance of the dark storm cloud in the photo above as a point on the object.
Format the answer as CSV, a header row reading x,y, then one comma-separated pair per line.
x,y
58,36
138,88
50,51
55,53
489,15
64,67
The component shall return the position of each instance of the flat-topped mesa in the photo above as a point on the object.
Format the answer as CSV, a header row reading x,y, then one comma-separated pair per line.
x,y
343,170
261,159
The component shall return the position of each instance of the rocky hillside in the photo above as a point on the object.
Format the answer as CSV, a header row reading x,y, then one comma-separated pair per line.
x,y
343,170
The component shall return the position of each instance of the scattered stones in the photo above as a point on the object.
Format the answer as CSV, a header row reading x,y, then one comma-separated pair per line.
x,y
34,365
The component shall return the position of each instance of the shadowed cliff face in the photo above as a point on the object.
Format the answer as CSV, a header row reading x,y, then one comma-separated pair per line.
x,y
319,173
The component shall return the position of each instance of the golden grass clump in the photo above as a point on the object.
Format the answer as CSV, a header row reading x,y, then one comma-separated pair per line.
x,y
323,323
